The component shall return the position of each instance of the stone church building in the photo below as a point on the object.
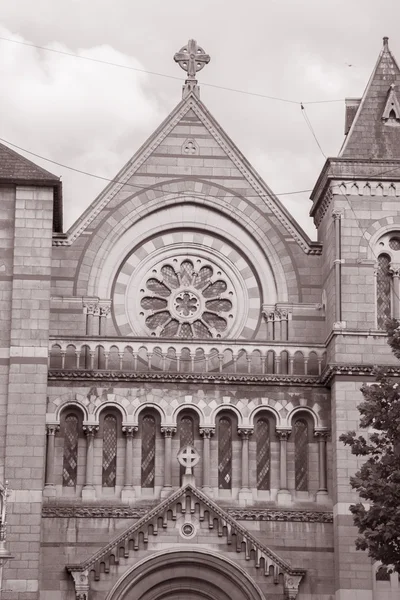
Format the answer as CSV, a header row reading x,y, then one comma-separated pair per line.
x,y
186,312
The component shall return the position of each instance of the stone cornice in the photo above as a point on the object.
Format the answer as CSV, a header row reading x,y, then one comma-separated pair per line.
x,y
354,370
352,169
214,378
60,511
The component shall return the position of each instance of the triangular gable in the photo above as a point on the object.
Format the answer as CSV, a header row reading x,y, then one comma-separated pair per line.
x,y
192,106
227,526
370,135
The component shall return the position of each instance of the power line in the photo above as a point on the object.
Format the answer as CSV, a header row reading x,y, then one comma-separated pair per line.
x,y
309,125
139,187
181,79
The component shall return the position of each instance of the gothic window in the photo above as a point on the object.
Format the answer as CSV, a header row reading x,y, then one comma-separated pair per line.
x,y
186,436
263,454
301,455
383,290
70,458
109,473
148,451
225,453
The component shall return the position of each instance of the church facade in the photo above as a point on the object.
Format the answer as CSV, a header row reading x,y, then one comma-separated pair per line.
x,y
177,368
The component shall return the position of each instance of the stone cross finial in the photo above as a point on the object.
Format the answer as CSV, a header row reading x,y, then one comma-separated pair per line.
x,y
191,58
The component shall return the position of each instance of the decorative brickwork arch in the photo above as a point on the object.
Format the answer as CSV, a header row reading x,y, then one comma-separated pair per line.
x,y
189,573
257,228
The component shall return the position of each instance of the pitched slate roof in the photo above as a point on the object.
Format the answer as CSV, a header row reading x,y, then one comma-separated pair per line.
x,y
15,167
370,136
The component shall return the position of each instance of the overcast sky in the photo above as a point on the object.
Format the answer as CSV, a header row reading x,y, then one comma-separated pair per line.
x,y
94,117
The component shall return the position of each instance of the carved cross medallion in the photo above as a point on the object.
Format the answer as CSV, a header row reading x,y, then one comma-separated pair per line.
x,y
191,58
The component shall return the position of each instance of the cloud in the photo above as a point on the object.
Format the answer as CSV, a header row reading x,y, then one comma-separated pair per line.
x,y
77,112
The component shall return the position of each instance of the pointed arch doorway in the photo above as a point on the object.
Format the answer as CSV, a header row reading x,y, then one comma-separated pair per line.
x,y
186,575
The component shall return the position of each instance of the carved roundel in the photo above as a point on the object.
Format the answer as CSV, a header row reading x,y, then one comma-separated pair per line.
x,y
186,293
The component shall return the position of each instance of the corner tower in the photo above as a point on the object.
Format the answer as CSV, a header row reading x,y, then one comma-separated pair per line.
x,y
356,210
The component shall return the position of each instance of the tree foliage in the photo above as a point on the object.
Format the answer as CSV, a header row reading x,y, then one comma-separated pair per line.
x,y
378,480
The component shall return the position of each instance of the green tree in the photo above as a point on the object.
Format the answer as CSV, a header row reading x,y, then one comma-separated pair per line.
x,y
378,480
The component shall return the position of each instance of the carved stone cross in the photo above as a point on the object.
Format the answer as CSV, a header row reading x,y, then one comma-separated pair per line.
x,y
188,457
191,58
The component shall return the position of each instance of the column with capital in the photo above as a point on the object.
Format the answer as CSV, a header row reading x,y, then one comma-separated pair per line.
x,y
168,432
207,433
395,271
105,310
88,491
322,493
245,495
128,493
49,489
283,496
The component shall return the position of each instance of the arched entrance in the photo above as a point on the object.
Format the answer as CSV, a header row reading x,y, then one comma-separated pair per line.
x,y
186,575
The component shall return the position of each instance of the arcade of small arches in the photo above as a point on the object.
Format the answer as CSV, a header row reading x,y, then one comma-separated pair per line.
x,y
207,358
109,456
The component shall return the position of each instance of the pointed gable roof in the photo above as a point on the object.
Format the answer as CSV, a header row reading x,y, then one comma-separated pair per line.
x,y
18,169
192,108
371,135
168,510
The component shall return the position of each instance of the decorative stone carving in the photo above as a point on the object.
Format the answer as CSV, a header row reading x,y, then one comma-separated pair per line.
x,y
283,434
81,581
92,512
207,432
190,148
50,511
168,431
191,58
291,585
129,430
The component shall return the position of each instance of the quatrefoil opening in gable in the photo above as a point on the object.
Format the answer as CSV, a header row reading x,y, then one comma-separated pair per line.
x,y
391,114
190,148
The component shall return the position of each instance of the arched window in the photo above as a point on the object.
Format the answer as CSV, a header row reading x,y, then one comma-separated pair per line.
x,y
148,451
225,453
263,453
186,436
109,473
383,290
301,455
70,455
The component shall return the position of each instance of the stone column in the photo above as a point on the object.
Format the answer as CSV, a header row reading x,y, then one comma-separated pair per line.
x,y
245,495
105,310
337,216
283,496
128,493
395,271
88,491
168,432
50,490
207,433
322,493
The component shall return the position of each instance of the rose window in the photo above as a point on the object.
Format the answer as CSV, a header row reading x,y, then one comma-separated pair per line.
x,y
187,299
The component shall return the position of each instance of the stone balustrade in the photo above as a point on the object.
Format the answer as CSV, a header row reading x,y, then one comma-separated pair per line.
x,y
139,355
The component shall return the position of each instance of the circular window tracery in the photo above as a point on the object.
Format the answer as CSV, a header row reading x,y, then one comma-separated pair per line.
x,y
187,298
